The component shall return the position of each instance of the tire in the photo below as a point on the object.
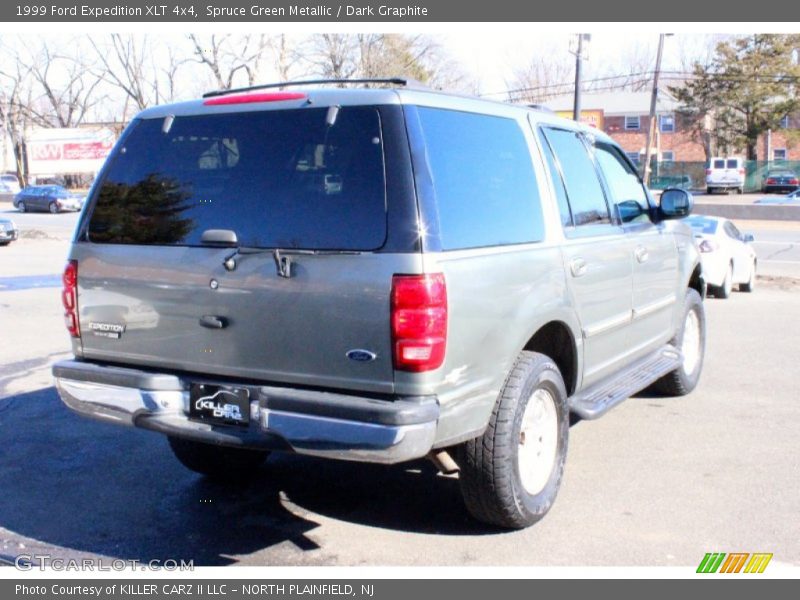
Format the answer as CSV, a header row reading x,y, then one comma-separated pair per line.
x,y
740,191
217,462
504,482
709,190
684,379
724,291
53,208
750,284
21,207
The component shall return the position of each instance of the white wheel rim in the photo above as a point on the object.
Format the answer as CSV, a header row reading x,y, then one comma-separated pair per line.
x,y
538,441
690,345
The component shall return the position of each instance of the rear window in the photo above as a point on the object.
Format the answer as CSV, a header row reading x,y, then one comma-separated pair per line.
x,y
719,164
733,163
701,225
279,179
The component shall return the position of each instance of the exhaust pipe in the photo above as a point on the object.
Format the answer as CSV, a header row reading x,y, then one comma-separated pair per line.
x,y
443,461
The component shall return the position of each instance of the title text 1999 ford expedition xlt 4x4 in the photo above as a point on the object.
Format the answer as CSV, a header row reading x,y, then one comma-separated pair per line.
x,y
376,275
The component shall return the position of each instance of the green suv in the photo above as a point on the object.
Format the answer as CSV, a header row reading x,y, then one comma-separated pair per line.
x,y
376,274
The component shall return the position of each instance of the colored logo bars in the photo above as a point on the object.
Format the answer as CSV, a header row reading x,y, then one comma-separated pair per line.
x,y
719,562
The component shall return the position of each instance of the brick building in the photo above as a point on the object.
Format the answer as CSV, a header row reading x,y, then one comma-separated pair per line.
x,y
625,117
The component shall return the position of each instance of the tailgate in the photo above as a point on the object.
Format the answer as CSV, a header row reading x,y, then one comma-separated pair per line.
x,y
179,308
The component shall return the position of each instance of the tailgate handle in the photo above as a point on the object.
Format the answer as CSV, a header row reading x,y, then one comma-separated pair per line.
x,y
213,322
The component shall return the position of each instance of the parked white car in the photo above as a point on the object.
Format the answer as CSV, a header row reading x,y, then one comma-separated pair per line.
x,y
725,173
9,182
728,257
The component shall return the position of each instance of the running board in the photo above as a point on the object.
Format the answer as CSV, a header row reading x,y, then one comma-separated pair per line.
x,y
598,399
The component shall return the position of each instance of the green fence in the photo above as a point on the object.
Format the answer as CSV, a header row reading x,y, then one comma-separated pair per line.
x,y
692,175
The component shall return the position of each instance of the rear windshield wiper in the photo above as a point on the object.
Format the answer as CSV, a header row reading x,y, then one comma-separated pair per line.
x,y
282,256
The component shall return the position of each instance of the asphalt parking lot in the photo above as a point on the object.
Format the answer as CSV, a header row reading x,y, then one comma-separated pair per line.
x,y
657,482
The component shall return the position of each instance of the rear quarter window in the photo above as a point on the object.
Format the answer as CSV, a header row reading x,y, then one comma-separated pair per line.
x,y
485,189
279,179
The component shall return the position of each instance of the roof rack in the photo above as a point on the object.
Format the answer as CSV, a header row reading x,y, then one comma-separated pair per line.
x,y
401,81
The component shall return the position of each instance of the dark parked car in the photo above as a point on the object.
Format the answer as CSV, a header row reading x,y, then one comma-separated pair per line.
x,y
780,181
8,232
52,198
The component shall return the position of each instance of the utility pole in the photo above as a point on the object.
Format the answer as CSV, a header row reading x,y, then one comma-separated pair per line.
x,y
576,111
653,103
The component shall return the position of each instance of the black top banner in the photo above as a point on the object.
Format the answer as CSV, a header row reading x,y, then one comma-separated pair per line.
x,y
391,11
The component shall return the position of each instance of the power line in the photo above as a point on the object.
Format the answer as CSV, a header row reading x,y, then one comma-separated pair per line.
x,y
645,77
566,83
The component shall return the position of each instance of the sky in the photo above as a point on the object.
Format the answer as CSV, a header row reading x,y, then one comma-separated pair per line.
x,y
492,61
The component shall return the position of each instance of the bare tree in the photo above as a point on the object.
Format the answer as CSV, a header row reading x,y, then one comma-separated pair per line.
x,y
332,55
15,96
66,84
285,56
141,68
382,55
228,55
544,77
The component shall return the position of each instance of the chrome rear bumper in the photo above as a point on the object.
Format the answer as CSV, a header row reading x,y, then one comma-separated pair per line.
x,y
316,423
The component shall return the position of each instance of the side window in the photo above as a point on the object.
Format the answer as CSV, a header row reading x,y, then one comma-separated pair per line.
x,y
627,193
732,231
558,183
483,178
584,192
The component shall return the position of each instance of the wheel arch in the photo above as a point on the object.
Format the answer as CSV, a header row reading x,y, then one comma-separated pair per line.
x,y
556,340
697,281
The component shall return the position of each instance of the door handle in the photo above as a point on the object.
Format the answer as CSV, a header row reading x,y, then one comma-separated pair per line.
x,y
641,254
213,322
577,266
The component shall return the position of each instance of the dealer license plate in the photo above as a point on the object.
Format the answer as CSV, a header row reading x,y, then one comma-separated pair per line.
x,y
219,404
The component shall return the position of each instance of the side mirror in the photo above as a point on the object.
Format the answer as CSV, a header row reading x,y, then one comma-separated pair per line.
x,y
629,210
675,204
748,237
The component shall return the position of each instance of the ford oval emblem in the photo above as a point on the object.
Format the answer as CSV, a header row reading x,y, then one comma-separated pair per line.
x,y
361,355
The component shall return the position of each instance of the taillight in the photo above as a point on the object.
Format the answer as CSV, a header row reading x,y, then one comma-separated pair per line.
x,y
793,182
708,171
419,321
741,171
708,246
69,298
770,180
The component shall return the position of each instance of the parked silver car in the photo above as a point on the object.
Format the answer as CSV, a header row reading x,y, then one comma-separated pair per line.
x,y
8,232
377,275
